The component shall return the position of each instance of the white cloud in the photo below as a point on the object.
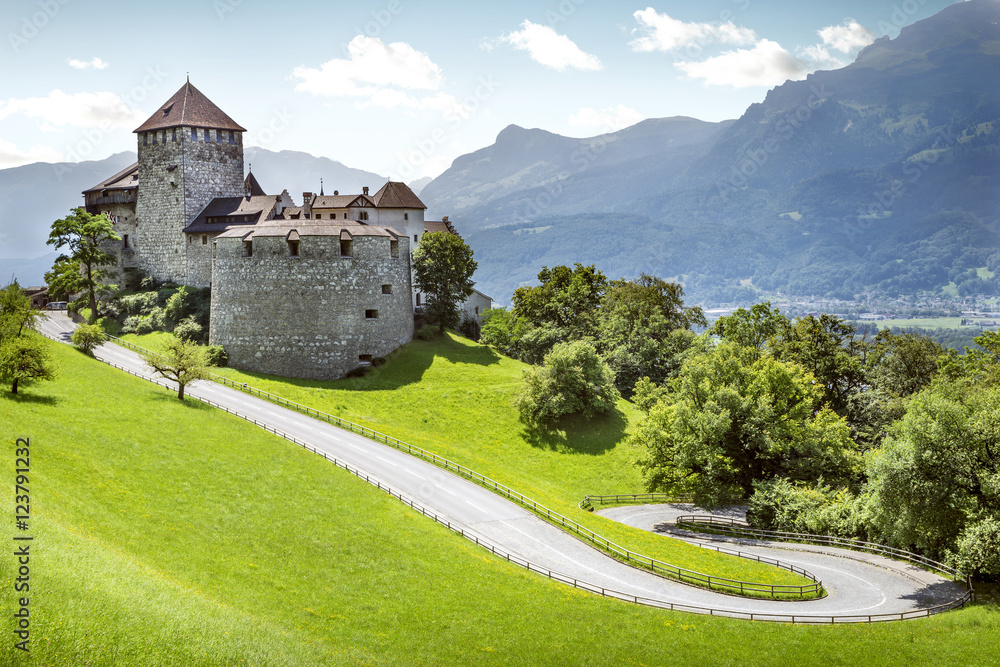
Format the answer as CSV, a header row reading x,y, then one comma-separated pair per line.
x,y
549,48
609,120
59,109
766,64
96,63
12,156
381,75
660,32
846,38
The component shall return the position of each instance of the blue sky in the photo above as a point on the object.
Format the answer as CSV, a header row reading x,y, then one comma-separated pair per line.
x,y
402,87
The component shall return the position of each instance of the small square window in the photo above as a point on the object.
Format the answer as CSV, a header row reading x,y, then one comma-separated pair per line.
x,y
386,289
293,248
371,314
319,216
365,358
346,248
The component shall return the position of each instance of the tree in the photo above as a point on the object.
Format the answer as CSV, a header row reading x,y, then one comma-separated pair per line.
x,y
573,380
567,300
16,313
443,267
753,328
84,234
88,337
181,361
24,359
735,418
643,329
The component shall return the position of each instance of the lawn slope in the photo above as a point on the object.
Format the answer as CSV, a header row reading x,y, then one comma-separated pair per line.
x,y
168,533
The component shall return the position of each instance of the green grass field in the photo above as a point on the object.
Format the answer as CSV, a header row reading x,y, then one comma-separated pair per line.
x,y
454,398
169,533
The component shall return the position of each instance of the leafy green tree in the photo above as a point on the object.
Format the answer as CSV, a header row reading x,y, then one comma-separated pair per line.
x,y
643,328
16,313
443,268
502,331
939,470
24,359
566,301
573,380
88,337
181,361
85,235
64,279
753,328
736,417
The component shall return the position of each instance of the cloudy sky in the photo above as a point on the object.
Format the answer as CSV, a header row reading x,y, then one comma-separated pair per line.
x,y
402,87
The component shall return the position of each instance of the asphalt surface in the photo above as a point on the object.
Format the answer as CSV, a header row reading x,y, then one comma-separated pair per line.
x,y
858,585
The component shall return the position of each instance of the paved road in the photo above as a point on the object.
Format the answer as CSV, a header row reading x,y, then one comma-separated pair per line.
x,y
856,587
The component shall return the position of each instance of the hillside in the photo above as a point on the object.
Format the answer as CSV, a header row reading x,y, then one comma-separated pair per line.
x,y
284,559
881,176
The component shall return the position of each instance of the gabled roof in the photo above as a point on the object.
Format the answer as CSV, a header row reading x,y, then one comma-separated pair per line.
x,y
341,201
126,178
189,106
282,228
439,226
251,185
257,209
397,195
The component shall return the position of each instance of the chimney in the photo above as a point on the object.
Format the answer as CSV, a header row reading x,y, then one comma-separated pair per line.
x,y
307,198
364,190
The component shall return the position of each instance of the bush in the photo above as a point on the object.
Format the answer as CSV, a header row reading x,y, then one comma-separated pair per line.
x,y
130,323
573,380
179,305
188,329
158,320
217,356
469,328
87,337
144,326
979,549
142,303
426,332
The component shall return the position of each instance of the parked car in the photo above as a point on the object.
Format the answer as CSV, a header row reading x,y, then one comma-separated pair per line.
x,y
55,305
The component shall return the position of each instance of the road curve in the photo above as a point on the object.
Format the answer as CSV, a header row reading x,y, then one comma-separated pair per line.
x,y
857,586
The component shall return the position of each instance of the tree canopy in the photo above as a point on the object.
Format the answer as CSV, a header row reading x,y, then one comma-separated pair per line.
x,y
86,266
24,356
181,361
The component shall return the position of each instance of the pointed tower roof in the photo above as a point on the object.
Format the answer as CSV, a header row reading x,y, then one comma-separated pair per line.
x,y
397,195
252,186
189,106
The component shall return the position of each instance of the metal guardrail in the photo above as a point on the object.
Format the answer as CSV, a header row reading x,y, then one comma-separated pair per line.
x,y
739,528
588,502
571,581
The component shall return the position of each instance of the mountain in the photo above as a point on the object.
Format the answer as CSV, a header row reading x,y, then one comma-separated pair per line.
x,y
882,176
34,195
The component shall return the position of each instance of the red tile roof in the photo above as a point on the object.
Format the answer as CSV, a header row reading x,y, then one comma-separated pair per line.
x,y
397,195
189,106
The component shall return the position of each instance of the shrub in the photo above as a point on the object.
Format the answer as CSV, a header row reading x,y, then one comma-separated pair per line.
x,y
86,337
158,320
979,549
426,332
573,380
469,328
144,326
130,323
217,356
142,303
149,283
188,329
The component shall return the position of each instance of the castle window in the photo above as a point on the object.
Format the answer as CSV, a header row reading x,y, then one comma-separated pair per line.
x,y
386,289
371,314
125,240
394,249
415,238
363,215
406,216
194,134
365,358
218,136
204,239
145,138
232,137
248,248
190,239
173,136
346,248
319,216
293,248
477,310
418,299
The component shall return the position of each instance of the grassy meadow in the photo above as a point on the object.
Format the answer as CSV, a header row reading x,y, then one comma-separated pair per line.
x,y
169,533
454,397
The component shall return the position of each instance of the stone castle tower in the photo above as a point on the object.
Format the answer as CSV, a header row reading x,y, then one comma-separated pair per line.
x,y
190,152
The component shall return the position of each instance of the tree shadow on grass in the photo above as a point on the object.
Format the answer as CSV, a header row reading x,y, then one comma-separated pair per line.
x,y
22,397
573,434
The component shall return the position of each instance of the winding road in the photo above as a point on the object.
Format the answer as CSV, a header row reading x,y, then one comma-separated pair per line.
x,y
858,585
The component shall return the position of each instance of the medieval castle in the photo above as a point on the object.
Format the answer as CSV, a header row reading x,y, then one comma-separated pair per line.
x,y
309,291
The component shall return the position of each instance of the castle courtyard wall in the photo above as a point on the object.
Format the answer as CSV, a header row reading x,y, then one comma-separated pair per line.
x,y
309,316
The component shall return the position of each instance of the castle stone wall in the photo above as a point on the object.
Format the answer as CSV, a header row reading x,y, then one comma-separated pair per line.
x,y
178,177
199,259
305,316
